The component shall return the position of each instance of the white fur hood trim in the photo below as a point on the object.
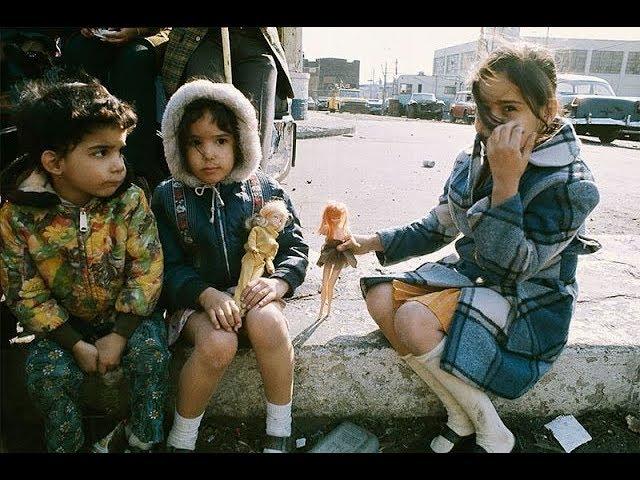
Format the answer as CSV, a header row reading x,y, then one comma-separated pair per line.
x,y
227,94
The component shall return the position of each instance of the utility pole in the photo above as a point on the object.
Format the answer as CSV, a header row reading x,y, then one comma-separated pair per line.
x,y
546,39
384,88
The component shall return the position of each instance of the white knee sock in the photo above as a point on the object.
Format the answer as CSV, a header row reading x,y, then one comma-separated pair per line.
x,y
457,420
491,433
279,420
184,432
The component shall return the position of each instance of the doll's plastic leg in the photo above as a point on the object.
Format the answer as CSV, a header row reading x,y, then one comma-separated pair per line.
x,y
326,275
333,278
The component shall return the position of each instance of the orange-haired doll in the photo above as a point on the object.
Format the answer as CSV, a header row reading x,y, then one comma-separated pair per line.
x,y
335,226
261,246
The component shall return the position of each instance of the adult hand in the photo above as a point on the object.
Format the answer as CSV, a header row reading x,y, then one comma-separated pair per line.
x,y
86,355
123,35
361,244
221,308
110,349
87,32
261,291
508,149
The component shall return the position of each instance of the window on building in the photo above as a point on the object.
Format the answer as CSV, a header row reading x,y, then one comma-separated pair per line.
x,y
438,65
419,87
449,90
406,88
604,61
466,61
452,63
571,61
633,63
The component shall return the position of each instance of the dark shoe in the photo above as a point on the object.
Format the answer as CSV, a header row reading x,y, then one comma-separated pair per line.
x,y
460,443
172,449
115,442
279,444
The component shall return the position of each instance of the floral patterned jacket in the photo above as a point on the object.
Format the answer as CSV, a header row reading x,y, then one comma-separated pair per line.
x,y
98,263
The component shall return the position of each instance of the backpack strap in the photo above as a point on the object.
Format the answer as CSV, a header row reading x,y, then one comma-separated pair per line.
x,y
255,187
180,209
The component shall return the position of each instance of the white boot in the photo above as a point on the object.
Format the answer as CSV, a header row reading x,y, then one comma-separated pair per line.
x,y
457,420
491,434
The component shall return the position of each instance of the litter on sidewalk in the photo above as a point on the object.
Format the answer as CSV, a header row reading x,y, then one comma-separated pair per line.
x,y
568,432
347,438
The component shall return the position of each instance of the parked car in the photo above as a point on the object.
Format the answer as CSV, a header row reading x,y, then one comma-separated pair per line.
x,y
322,103
375,106
463,107
424,105
350,100
593,108
311,104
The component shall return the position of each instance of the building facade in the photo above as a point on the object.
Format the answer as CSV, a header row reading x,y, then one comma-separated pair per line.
x,y
325,73
617,61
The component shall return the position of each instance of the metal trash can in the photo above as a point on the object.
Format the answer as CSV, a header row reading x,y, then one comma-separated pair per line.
x,y
299,108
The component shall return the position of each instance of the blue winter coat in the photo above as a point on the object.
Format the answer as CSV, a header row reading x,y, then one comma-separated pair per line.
x,y
215,259
525,249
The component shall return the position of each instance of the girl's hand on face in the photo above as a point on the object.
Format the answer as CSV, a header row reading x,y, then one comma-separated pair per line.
x,y
261,291
361,244
508,150
221,308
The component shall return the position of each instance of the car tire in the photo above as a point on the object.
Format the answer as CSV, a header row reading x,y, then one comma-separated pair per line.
x,y
608,137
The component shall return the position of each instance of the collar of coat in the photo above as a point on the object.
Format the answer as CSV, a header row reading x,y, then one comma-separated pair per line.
x,y
227,94
562,148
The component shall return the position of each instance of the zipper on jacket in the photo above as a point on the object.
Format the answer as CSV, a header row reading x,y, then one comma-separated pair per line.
x,y
84,224
83,227
219,203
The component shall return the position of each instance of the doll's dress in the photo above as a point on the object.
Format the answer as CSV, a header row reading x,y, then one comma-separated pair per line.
x,y
329,253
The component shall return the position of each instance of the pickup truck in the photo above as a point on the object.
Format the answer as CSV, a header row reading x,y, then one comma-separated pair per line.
x,y
593,108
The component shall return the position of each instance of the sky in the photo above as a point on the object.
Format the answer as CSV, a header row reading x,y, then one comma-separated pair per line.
x,y
414,46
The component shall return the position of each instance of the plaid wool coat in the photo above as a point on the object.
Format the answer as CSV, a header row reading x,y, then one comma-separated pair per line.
x,y
516,267
183,41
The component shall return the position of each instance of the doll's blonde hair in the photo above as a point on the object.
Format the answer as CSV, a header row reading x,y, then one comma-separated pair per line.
x,y
333,211
262,217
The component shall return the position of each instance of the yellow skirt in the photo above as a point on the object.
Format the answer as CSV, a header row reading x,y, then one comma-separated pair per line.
x,y
442,302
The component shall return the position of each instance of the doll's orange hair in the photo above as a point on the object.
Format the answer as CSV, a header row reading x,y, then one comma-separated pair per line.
x,y
328,225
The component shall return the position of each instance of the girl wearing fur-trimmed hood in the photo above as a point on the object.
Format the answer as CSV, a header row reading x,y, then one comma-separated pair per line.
x,y
212,147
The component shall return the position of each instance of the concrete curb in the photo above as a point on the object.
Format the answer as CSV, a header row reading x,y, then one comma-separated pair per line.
x,y
317,132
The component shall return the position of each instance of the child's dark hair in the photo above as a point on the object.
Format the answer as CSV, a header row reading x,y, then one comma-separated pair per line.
x,y
220,113
57,115
529,67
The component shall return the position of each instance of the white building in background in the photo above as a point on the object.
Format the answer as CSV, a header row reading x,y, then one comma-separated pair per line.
x,y
415,83
617,61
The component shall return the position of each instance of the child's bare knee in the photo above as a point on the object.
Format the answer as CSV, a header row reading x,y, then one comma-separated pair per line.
x,y
267,327
216,349
379,301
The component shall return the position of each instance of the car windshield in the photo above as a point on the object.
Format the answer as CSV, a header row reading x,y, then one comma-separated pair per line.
x,y
464,97
419,97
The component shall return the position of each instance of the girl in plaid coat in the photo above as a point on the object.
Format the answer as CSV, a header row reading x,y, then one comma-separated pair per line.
x,y
497,317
